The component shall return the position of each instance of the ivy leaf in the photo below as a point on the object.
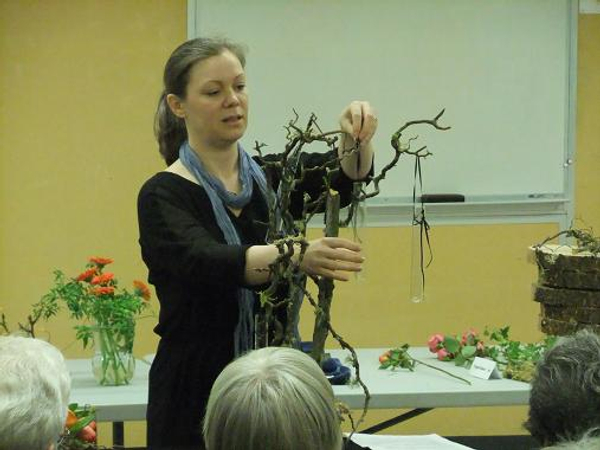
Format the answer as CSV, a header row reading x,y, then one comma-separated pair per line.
x,y
81,424
451,344
460,360
468,351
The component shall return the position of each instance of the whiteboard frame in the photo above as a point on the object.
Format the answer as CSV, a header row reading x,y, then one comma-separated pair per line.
x,y
390,211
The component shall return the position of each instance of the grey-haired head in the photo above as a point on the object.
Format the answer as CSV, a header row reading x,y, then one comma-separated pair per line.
x,y
272,398
565,393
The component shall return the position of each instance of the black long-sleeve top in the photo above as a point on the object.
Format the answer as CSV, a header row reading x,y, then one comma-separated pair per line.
x,y
195,272
196,275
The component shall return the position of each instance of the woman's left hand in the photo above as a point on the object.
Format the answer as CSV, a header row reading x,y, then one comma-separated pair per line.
x,y
359,121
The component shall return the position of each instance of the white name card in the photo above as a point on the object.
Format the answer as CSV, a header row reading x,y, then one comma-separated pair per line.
x,y
485,369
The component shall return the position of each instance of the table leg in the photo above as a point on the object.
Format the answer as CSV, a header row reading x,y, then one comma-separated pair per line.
x,y
118,434
396,420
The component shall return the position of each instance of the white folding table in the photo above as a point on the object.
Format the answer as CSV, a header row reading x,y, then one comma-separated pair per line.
x,y
421,390
116,404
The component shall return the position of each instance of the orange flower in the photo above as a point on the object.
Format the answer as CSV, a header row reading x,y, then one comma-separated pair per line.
x,y
99,261
103,278
87,275
103,290
71,419
385,357
141,289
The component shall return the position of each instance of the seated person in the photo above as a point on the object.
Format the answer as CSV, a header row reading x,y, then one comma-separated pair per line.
x,y
591,441
34,394
272,398
565,392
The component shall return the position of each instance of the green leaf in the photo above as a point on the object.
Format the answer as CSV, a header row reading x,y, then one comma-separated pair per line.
x,y
468,351
460,360
451,344
81,424
385,365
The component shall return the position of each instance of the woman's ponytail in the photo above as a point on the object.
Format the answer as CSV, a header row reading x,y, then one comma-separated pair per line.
x,y
169,130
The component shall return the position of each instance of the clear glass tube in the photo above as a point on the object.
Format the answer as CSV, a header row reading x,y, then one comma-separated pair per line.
x,y
417,287
358,226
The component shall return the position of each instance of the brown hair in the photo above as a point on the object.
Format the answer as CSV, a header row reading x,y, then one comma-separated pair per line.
x,y
169,129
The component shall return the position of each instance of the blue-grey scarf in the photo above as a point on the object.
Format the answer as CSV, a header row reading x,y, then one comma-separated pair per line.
x,y
220,199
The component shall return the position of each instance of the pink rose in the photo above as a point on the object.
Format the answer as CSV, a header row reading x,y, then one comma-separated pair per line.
x,y
480,346
469,337
88,434
443,354
435,342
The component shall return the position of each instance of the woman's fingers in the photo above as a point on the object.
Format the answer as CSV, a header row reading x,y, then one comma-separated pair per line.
x,y
332,274
334,242
343,254
332,258
360,120
369,123
332,264
357,119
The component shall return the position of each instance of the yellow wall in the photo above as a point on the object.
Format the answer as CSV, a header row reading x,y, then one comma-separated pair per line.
x,y
79,84
80,80
587,207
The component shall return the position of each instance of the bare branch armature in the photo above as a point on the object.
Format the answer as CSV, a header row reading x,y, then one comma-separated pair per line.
x,y
401,149
280,302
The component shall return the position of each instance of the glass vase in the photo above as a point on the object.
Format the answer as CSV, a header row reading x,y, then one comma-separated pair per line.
x,y
113,363
417,279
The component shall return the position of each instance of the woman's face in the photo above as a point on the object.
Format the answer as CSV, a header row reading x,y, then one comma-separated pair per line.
x,y
216,103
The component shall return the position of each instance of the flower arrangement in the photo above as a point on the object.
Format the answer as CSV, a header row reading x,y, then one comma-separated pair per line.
x,y
516,360
110,313
80,429
462,351
400,358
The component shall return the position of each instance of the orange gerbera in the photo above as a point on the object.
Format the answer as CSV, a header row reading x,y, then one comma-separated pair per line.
x,y
385,357
71,419
87,275
102,278
103,290
100,261
141,289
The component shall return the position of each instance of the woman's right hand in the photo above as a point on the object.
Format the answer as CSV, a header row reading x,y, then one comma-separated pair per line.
x,y
331,257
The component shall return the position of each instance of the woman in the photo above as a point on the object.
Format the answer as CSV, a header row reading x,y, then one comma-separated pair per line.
x,y
201,236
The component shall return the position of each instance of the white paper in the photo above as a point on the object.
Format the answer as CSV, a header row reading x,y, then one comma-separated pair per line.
x,y
484,368
389,442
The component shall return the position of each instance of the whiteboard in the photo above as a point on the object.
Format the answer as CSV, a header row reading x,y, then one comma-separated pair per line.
x,y
502,69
